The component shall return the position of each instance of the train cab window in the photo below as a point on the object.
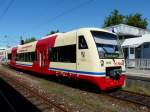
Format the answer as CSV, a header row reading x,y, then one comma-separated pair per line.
x,y
82,43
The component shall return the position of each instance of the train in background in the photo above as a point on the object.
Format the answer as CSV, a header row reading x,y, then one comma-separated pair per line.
x,y
89,54
3,55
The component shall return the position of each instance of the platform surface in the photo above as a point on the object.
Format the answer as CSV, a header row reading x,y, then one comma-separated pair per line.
x,y
138,73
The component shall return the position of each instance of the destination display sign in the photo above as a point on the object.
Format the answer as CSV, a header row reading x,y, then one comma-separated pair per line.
x,y
111,55
30,47
25,48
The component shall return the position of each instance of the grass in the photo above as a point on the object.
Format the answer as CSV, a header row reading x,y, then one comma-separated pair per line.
x,y
114,111
77,97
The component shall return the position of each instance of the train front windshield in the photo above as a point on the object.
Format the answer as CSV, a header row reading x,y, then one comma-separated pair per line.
x,y
107,44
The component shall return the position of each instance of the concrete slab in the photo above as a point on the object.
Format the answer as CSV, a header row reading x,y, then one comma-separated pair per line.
x,y
138,74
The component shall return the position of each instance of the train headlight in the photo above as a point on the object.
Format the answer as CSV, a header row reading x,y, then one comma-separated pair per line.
x,y
102,63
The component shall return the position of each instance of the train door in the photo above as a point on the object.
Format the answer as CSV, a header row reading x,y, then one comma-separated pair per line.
x,y
13,56
82,56
43,59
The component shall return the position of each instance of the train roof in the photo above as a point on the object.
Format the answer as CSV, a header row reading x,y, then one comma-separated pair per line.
x,y
95,29
48,36
60,35
80,29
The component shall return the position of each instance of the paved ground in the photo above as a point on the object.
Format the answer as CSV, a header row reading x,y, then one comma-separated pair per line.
x,y
138,72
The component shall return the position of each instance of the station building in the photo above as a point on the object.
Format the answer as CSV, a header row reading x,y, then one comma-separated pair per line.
x,y
135,43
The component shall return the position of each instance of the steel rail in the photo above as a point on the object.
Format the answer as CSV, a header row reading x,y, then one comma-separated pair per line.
x,y
132,97
34,92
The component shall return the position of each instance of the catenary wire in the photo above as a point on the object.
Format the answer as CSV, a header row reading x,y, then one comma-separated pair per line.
x,y
66,12
6,9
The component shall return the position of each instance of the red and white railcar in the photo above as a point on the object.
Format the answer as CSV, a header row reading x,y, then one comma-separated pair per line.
x,y
3,56
89,54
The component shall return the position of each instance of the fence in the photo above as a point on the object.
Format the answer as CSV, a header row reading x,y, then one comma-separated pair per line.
x,y
138,63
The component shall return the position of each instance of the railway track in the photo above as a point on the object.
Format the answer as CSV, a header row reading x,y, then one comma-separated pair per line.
x,y
12,101
132,97
37,97
44,104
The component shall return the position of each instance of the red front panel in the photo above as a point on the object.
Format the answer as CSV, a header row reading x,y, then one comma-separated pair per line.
x,y
108,83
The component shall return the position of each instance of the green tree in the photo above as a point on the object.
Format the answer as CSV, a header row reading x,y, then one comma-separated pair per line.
x,y
113,19
28,40
116,18
53,32
137,21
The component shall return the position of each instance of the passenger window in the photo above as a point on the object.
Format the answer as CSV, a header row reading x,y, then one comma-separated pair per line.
x,y
82,43
63,54
26,57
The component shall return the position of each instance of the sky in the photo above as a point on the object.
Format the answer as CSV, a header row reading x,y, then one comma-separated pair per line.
x,y
29,18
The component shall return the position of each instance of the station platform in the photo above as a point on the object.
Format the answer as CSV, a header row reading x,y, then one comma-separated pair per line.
x,y
138,73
